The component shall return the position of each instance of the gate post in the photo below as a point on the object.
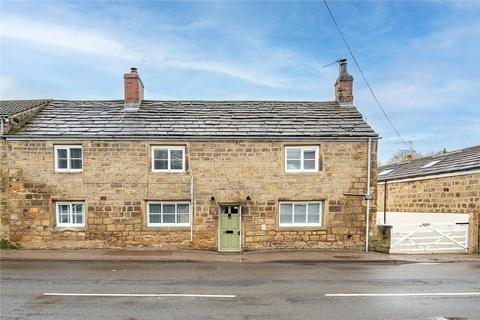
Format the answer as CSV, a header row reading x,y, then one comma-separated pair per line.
x,y
474,232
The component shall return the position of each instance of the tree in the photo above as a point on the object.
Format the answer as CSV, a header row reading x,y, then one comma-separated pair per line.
x,y
400,155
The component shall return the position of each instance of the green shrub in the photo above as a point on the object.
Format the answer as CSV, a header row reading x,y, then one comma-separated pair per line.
x,y
5,244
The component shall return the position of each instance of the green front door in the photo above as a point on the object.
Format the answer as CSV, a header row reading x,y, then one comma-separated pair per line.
x,y
229,228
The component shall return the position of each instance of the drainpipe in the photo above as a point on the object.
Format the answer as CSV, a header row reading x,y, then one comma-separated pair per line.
x,y
385,203
368,195
1,126
191,208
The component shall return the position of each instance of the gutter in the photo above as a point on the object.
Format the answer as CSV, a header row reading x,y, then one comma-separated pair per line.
x,y
199,137
443,174
385,203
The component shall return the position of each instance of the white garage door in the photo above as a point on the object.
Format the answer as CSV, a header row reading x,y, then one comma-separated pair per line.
x,y
420,232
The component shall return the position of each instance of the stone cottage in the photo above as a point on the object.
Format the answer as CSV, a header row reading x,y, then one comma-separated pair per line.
x,y
13,115
447,183
210,175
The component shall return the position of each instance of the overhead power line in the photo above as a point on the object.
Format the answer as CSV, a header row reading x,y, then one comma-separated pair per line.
x,y
364,78
324,38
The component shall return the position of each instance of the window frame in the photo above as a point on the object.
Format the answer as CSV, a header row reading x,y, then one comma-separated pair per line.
x,y
70,204
302,225
302,164
169,149
176,224
67,147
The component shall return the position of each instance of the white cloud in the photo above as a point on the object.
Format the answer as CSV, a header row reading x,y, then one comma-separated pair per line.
x,y
416,92
464,4
177,54
60,36
429,88
430,71
451,39
9,88
229,70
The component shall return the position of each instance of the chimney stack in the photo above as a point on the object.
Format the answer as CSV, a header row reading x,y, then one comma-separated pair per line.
x,y
133,90
344,85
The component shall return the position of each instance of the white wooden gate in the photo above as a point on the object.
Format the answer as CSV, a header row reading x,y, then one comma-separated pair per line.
x,y
429,237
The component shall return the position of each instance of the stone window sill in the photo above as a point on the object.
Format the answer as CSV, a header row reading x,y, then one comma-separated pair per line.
x,y
304,172
302,228
167,228
64,229
68,172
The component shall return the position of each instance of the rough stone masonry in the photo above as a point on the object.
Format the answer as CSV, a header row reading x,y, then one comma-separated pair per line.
x,y
117,181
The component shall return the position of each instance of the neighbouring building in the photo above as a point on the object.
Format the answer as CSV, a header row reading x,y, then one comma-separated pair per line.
x,y
13,115
437,189
211,175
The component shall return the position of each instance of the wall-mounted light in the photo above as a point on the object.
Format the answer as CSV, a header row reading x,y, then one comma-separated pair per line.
x,y
212,199
248,198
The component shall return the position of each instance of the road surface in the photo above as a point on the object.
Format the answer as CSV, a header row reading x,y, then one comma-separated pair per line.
x,y
147,290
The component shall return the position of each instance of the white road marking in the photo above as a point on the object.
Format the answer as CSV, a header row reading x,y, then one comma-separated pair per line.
x,y
140,295
420,294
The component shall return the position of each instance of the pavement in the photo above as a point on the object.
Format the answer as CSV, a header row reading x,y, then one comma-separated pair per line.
x,y
79,290
262,256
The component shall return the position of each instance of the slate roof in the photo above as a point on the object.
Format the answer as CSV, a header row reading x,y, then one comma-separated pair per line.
x,y
184,119
454,161
11,107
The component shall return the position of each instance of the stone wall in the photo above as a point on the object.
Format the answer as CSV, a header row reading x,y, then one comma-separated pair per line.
x,y
11,124
16,121
448,194
117,182
381,239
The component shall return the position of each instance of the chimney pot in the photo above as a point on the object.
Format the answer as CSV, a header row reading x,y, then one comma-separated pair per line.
x,y
408,157
343,66
344,85
133,90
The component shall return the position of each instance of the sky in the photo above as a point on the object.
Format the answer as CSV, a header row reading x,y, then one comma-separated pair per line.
x,y
420,57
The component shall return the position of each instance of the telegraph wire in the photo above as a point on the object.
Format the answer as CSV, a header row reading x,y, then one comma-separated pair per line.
x,y
364,78
324,38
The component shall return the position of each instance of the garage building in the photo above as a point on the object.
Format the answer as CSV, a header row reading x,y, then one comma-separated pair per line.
x,y
433,203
